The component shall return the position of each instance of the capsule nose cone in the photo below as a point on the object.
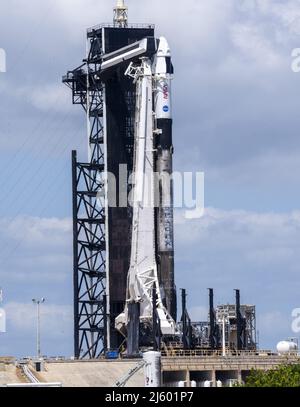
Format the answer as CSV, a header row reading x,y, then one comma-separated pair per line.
x,y
163,48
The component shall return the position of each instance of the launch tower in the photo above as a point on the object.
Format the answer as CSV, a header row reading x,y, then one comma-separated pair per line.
x,y
102,227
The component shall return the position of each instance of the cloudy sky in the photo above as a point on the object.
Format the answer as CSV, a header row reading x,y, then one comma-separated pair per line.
x,y
236,118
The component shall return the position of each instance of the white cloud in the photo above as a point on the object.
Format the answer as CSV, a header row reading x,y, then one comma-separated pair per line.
x,y
38,232
276,325
255,46
287,13
49,97
256,252
56,320
249,229
36,249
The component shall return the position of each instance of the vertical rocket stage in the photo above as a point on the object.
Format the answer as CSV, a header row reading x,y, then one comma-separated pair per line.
x,y
152,241
163,74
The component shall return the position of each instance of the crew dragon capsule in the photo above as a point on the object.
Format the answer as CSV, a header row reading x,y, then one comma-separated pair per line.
x,y
162,70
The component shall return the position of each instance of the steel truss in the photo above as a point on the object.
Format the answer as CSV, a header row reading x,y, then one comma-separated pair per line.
x,y
89,212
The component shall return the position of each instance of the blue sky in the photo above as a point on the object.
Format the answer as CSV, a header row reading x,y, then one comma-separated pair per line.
x,y
236,117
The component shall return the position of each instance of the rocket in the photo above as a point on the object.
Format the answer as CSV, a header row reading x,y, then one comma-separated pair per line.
x,y
163,74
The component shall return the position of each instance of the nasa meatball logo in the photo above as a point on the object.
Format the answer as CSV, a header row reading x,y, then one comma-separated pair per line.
x,y
166,109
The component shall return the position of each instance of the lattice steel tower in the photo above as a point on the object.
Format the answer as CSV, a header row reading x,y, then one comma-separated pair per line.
x,y
102,232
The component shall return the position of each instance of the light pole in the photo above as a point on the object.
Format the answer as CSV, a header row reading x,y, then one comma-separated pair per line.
x,y
38,335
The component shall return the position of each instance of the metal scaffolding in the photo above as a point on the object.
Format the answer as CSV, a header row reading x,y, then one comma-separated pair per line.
x,y
102,232
91,336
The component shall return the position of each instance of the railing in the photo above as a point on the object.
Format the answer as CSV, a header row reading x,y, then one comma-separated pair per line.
x,y
29,375
111,25
173,352
122,382
33,385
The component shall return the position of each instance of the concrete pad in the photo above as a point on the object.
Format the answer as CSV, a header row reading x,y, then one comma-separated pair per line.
x,y
90,374
8,374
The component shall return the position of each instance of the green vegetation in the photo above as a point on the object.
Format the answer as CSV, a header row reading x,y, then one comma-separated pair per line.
x,y
283,376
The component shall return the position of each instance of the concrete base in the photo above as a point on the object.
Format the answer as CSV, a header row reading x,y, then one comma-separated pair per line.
x,y
206,371
219,371
91,374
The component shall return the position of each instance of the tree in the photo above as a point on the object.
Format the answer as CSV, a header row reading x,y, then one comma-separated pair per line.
x,y
282,376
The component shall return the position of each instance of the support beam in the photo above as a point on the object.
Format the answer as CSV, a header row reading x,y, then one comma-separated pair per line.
x,y
133,337
75,256
214,329
186,324
240,324
90,308
156,324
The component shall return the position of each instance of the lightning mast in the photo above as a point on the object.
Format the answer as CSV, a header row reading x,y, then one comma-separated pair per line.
x,y
121,15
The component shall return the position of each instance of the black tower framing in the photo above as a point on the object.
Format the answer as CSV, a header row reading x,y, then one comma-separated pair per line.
x,y
90,336
240,324
102,230
187,339
213,326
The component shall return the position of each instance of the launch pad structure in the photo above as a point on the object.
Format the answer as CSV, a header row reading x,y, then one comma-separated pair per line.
x,y
105,226
101,258
102,227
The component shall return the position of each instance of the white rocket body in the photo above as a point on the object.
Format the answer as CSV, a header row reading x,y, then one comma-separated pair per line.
x,y
142,275
153,149
163,72
163,75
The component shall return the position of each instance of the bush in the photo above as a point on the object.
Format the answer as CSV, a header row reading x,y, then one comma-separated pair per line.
x,y
282,376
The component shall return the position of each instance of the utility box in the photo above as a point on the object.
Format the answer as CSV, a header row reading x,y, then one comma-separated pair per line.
x,y
112,355
39,365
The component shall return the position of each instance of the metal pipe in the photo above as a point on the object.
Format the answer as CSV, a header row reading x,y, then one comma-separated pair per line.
x,y
33,385
30,376
223,336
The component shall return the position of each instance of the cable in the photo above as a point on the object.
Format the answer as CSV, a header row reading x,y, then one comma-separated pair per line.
x,y
25,159
17,215
34,27
30,135
17,63
7,256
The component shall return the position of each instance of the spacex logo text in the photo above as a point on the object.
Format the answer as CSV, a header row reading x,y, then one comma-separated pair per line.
x,y
2,60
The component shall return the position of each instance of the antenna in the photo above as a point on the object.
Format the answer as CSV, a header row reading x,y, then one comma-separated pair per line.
x,y
121,15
